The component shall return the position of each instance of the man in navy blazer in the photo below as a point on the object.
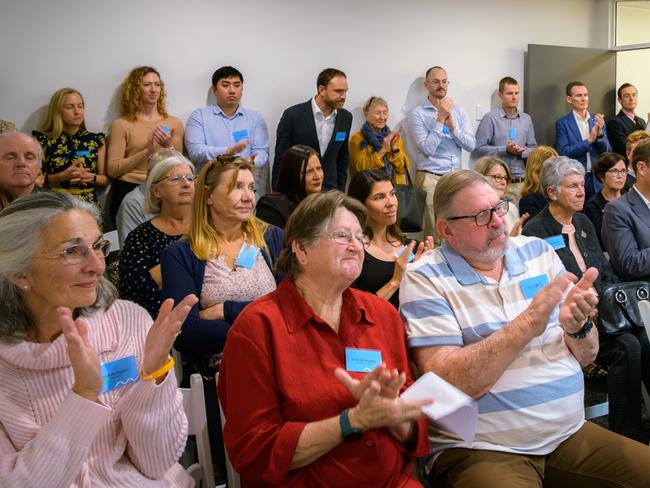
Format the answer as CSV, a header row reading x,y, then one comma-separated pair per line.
x,y
580,135
626,223
322,124
626,121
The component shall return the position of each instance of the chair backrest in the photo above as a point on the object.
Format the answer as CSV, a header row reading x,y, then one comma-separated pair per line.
x,y
233,477
194,404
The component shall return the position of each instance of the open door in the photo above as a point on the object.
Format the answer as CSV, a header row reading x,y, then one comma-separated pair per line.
x,y
550,68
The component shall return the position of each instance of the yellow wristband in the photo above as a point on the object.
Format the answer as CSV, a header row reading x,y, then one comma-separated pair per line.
x,y
159,372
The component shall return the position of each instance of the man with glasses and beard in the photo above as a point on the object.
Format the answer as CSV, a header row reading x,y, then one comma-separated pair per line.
x,y
500,319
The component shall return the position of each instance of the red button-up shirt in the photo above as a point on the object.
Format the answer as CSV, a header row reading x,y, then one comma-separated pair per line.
x,y
277,375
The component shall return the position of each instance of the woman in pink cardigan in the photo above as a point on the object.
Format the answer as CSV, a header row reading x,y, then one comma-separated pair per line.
x,y
85,394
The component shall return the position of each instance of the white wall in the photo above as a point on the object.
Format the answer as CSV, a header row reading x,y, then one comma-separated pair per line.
x,y
632,67
383,45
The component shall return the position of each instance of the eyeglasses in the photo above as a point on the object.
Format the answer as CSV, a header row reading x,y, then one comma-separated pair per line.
x,y
176,179
499,178
439,82
346,237
78,253
484,217
617,172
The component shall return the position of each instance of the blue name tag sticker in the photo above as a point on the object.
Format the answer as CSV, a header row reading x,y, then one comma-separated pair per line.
x,y
556,242
119,373
361,360
240,135
82,153
531,286
513,133
445,130
401,251
247,256
340,136
165,129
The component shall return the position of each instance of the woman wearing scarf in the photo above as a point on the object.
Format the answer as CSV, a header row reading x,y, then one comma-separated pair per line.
x,y
375,146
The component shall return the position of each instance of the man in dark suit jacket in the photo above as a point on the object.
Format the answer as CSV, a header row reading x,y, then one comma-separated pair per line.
x,y
626,121
626,223
322,124
585,142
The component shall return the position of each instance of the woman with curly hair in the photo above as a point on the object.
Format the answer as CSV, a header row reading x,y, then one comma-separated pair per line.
x,y
143,127
532,200
74,159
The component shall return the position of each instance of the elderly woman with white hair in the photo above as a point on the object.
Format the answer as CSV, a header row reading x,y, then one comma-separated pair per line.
x,y
85,394
169,190
575,241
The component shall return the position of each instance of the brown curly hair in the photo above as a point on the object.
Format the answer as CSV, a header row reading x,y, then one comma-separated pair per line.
x,y
130,101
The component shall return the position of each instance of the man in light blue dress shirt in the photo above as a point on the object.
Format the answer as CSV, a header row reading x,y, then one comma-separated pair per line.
x,y
507,133
228,128
441,130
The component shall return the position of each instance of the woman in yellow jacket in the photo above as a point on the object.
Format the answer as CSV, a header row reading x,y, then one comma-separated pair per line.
x,y
375,146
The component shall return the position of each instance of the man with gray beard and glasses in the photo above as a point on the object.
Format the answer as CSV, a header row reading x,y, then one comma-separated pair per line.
x,y
502,320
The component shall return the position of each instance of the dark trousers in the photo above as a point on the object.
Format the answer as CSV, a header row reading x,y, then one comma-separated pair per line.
x,y
627,357
119,189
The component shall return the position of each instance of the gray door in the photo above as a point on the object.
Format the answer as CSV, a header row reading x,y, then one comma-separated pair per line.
x,y
550,68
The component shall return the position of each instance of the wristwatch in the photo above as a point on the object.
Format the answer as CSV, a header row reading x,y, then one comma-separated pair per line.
x,y
584,331
349,433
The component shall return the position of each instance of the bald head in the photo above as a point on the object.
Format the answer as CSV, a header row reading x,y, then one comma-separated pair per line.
x,y
20,163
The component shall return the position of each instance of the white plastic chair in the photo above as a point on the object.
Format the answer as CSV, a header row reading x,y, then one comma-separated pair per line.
x,y
194,405
233,477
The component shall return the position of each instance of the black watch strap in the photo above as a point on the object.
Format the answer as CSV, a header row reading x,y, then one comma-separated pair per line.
x,y
584,332
348,432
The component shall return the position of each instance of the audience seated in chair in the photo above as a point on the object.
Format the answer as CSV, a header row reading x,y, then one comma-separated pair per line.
x,y
489,314
61,423
300,175
532,200
20,164
169,190
578,248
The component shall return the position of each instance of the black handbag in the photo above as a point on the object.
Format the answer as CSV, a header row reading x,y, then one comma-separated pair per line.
x,y
618,309
410,206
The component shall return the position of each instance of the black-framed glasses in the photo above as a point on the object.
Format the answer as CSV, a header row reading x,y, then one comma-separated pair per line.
x,y
617,172
484,217
78,253
176,179
346,237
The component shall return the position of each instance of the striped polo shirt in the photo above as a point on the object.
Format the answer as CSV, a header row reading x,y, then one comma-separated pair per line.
x,y
538,401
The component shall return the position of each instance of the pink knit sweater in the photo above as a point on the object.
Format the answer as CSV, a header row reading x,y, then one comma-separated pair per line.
x,y
52,437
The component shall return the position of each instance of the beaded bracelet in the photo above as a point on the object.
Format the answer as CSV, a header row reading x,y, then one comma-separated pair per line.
x,y
159,372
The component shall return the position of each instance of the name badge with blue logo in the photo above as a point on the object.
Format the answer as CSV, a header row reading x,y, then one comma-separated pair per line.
x,y
513,133
531,286
166,129
247,256
82,153
401,250
445,130
361,360
240,135
119,373
556,242
340,136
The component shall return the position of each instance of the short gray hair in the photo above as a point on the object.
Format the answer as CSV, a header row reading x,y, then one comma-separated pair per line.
x,y
37,145
554,170
309,221
151,202
450,184
21,229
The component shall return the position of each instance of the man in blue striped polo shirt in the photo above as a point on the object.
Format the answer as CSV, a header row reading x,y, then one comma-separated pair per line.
x,y
499,318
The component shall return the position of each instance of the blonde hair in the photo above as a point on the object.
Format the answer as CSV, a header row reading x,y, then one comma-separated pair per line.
x,y
53,124
532,184
635,137
130,101
486,163
203,237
